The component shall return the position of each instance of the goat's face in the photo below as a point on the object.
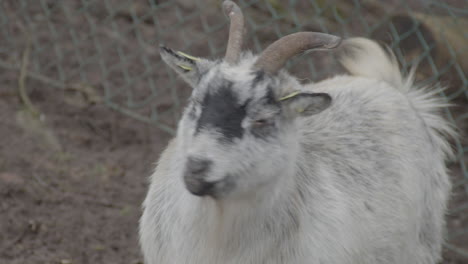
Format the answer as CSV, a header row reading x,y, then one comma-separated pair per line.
x,y
238,133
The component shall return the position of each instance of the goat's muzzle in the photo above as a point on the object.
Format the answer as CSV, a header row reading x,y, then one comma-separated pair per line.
x,y
196,171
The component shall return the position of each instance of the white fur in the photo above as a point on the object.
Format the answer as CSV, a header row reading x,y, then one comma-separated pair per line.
x,y
362,182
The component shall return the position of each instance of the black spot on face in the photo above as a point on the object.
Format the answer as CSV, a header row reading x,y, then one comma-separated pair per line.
x,y
222,111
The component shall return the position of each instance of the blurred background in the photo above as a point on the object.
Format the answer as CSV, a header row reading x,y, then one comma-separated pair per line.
x,y
86,104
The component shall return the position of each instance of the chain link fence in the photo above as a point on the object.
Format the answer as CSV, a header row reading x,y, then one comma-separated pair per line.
x,y
106,52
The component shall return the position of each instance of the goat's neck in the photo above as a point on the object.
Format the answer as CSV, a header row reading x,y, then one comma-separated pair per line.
x,y
269,212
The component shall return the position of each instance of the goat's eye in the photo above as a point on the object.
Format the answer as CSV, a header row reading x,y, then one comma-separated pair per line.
x,y
260,122
262,127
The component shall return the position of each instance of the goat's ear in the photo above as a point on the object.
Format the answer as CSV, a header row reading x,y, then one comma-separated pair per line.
x,y
188,67
306,104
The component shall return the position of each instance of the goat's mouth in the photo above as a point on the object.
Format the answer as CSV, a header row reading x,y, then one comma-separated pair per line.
x,y
199,187
215,189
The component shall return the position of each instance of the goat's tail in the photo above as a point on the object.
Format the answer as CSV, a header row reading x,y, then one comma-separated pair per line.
x,y
364,57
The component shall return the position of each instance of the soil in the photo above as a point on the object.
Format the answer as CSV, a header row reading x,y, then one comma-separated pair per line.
x,y
80,204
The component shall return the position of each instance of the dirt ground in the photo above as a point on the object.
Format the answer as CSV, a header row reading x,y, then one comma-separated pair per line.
x,y
71,187
80,204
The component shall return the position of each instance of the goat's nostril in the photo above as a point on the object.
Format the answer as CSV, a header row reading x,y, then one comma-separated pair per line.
x,y
198,166
199,187
196,170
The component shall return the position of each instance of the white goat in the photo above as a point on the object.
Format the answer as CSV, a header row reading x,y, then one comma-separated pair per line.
x,y
266,170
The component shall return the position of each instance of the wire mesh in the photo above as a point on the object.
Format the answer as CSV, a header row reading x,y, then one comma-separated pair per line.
x,y
108,49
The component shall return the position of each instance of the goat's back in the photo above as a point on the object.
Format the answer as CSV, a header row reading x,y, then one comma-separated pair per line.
x,y
382,145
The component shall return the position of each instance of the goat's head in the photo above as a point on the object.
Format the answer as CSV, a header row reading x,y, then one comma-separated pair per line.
x,y
238,130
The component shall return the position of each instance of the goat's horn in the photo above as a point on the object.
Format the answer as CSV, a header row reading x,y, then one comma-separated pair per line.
x,y
236,31
275,56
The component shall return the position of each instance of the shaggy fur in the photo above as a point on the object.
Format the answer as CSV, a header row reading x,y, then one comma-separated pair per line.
x,y
358,180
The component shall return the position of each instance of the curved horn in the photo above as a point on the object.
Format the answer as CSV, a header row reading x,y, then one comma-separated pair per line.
x,y
275,56
236,31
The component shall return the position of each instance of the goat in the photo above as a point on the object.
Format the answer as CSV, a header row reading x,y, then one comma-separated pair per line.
x,y
265,170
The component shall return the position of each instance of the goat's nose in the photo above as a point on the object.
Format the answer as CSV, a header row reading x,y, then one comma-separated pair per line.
x,y
195,172
199,187
198,167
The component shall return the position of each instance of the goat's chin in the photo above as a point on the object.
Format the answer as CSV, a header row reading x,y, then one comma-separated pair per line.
x,y
217,191
213,195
